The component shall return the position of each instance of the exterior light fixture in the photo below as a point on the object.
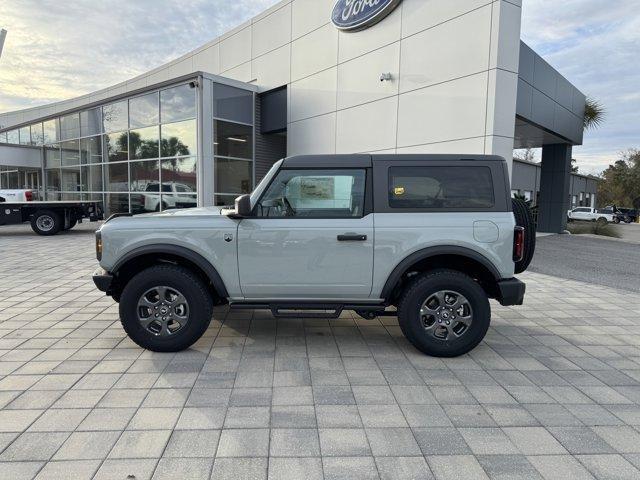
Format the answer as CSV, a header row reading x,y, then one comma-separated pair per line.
x,y
386,77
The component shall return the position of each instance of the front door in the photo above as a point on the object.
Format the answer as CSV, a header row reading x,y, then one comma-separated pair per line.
x,y
310,238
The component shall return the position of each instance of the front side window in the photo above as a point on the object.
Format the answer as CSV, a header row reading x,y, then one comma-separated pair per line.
x,y
315,194
440,187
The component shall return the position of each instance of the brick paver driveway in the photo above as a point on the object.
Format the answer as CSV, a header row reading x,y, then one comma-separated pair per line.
x,y
552,393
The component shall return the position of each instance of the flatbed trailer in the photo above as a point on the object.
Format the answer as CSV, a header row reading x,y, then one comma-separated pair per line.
x,y
50,217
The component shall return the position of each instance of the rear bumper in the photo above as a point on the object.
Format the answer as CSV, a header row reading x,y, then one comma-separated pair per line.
x,y
511,292
102,279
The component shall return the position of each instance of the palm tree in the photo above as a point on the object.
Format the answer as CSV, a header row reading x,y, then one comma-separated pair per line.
x,y
594,113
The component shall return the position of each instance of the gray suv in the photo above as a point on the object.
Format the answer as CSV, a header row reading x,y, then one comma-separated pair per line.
x,y
435,236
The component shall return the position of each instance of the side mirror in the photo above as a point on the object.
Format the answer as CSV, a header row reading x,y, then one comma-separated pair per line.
x,y
243,206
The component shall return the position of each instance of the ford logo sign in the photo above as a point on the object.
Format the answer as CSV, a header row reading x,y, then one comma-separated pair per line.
x,y
353,15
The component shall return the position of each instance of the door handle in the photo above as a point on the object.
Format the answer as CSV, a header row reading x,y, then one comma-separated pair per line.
x,y
352,237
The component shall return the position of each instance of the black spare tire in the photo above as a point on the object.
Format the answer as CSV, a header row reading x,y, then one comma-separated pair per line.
x,y
524,219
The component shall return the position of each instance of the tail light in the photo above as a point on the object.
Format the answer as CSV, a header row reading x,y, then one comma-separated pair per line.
x,y
518,244
28,195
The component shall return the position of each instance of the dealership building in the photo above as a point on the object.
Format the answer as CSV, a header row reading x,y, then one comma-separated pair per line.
x,y
307,77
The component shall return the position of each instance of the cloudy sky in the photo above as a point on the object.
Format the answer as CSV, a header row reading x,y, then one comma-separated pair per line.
x,y
57,50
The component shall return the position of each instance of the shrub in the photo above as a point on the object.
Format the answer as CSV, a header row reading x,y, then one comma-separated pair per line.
x,y
594,228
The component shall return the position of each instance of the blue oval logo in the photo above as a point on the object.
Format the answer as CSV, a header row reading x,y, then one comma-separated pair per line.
x,y
353,15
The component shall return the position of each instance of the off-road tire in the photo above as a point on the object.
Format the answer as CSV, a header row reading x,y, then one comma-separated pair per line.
x,y
183,280
426,285
524,218
50,216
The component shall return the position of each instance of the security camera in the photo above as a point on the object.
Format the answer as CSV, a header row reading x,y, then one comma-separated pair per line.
x,y
386,77
193,84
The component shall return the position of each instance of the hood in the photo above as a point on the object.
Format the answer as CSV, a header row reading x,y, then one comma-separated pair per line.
x,y
184,212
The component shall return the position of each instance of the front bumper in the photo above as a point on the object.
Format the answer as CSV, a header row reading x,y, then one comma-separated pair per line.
x,y
511,292
102,279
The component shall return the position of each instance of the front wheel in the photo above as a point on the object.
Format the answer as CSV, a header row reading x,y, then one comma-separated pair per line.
x,y
165,308
444,313
616,220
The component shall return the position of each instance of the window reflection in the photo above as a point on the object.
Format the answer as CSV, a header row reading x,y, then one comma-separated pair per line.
x,y
50,128
233,176
177,103
117,202
143,143
95,183
117,177
37,137
70,152
145,176
232,103
91,150
25,135
233,140
52,177
13,137
52,156
178,139
115,117
91,122
70,179
144,111
180,171
70,126
117,145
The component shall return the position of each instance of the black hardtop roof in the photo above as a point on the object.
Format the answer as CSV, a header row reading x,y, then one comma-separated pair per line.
x,y
365,160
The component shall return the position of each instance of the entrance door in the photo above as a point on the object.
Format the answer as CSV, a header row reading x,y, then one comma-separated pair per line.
x,y
311,238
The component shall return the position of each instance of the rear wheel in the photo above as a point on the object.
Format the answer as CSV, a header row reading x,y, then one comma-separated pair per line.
x,y
444,313
46,222
616,220
524,219
165,308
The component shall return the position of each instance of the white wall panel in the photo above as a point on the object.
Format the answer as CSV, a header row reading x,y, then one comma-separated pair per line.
x,y
235,49
505,36
208,60
354,44
418,15
368,127
359,79
309,15
273,69
313,95
467,145
447,111
503,88
314,135
314,52
272,31
241,73
451,50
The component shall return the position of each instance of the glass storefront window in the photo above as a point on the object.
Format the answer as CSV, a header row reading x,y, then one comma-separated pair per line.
x,y
177,103
232,140
52,156
50,128
225,200
91,150
37,136
70,126
232,103
52,177
144,111
91,122
233,176
180,172
115,117
70,179
143,143
178,139
117,146
25,135
70,152
117,202
145,176
116,177
13,137
94,182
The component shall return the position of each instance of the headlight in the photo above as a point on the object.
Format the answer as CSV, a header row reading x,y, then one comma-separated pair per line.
x,y
99,245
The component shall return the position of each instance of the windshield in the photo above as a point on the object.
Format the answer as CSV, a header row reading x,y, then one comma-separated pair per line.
x,y
257,192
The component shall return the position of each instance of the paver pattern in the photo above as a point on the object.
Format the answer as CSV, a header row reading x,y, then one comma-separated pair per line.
x,y
552,393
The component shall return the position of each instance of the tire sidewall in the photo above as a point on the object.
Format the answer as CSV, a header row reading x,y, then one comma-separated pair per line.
x,y
57,223
200,310
411,323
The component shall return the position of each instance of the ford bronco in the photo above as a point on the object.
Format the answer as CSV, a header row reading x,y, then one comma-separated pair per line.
x,y
435,236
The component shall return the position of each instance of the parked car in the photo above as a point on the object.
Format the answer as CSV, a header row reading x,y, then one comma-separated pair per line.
x,y
589,214
174,195
17,195
445,233
626,215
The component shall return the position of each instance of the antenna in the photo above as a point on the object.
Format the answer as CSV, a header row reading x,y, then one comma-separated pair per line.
x,y
3,35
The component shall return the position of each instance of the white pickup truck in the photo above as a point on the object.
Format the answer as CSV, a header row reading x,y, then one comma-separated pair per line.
x,y
18,195
589,214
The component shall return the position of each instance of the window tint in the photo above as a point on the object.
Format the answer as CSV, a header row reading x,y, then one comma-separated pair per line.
x,y
440,187
315,194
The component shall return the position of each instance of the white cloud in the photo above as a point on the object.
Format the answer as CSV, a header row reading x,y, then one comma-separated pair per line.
x,y
596,46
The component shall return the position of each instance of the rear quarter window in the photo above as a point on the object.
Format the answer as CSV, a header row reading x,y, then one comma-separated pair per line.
x,y
441,187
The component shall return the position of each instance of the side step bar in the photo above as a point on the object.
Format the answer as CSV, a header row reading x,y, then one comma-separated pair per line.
x,y
311,310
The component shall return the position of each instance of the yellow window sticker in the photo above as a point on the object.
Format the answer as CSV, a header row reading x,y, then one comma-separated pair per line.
x,y
398,191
